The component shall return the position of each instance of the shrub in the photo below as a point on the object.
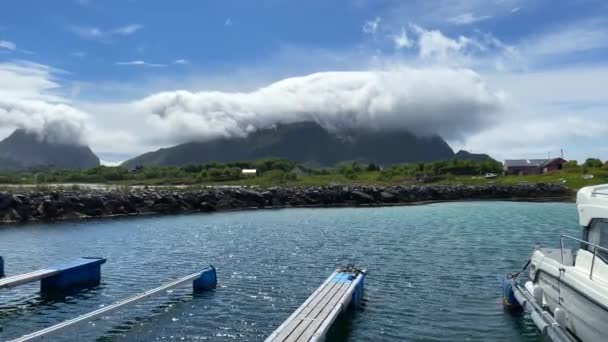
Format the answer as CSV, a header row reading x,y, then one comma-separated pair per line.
x,y
372,167
276,176
592,163
350,173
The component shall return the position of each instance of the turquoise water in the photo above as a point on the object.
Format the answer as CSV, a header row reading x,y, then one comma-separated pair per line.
x,y
434,271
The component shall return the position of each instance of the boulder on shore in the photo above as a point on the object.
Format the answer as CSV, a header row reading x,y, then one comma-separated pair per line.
x,y
64,204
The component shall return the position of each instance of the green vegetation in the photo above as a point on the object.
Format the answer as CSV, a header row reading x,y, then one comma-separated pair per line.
x,y
283,172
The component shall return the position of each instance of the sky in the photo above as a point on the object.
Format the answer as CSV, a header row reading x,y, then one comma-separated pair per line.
x,y
515,79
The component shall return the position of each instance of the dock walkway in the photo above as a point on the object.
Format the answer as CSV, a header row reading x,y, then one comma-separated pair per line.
x,y
312,320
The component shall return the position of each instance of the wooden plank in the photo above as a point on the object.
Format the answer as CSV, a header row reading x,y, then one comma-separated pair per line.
x,y
304,309
288,321
342,305
315,315
324,314
25,278
304,318
311,321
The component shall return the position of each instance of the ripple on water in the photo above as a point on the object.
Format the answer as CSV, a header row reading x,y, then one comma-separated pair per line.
x,y
434,271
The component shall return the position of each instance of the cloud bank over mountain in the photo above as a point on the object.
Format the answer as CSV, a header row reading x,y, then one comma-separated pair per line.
x,y
27,101
450,102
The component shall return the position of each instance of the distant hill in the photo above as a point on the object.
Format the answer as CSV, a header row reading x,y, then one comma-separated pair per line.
x,y
464,155
304,142
24,150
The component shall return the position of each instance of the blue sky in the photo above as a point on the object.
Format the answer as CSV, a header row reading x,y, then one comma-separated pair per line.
x,y
100,70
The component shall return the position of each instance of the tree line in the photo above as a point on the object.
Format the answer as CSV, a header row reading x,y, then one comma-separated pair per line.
x,y
274,170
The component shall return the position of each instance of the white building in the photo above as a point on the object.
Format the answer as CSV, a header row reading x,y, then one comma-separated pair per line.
x,y
250,172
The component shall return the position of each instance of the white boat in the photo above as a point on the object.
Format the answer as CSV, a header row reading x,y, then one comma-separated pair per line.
x,y
566,292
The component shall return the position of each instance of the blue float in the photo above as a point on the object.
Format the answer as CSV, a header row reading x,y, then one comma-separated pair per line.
x,y
61,279
73,276
508,296
207,280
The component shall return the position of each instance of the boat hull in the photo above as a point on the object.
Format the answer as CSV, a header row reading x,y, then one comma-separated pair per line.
x,y
584,317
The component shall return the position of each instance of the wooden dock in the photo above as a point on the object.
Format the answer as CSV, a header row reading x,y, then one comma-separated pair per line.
x,y
312,320
80,273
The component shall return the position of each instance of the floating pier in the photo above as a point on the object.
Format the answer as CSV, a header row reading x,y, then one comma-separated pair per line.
x,y
312,320
204,280
72,276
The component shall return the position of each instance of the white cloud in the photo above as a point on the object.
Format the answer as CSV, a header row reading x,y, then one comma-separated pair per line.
x,y
79,54
5,44
401,40
142,63
128,29
449,102
536,137
549,110
434,45
539,111
371,26
436,13
467,18
110,163
576,37
28,100
88,32
96,33
516,9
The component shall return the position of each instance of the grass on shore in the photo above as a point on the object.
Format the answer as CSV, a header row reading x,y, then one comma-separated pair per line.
x,y
572,178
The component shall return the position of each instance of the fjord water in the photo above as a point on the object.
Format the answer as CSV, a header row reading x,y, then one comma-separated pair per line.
x,y
434,271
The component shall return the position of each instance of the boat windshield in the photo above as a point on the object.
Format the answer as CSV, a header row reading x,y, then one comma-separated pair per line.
x,y
597,234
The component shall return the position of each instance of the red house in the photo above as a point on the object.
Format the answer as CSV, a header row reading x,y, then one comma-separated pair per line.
x,y
532,166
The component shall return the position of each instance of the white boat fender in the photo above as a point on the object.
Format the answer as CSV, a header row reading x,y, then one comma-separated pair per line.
x,y
539,321
560,317
537,293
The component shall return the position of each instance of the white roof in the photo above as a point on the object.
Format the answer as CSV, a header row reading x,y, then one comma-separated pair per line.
x,y
250,170
592,202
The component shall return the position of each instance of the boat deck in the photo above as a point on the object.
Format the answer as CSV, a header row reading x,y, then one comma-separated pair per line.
x,y
312,320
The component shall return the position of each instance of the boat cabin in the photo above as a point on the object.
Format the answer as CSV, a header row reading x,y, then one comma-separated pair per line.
x,y
597,233
592,205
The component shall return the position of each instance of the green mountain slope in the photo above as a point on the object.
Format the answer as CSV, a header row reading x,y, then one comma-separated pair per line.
x,y
24,150
304,142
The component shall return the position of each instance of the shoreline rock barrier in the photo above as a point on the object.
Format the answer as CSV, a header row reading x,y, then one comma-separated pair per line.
x,y
66,204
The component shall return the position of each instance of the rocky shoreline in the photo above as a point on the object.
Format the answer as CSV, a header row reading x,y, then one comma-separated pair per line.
x,y
65,204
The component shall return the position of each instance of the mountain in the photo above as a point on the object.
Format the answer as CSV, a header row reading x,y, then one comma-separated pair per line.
x,y
465,155
24,150
304,142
